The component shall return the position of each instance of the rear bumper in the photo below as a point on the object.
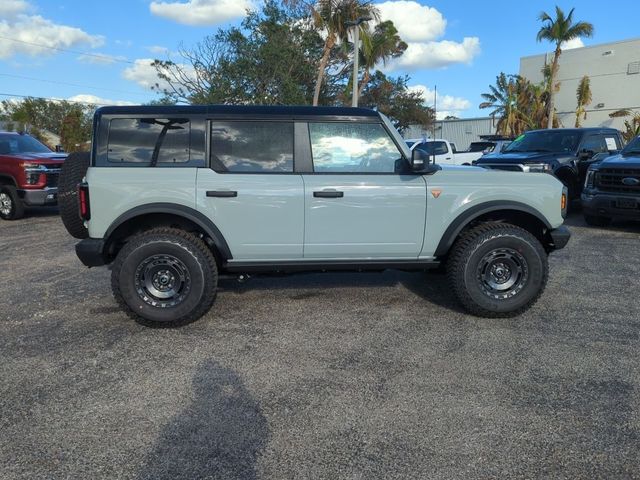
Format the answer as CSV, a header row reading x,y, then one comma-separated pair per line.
x,y
605,205
37,198
90,251
560,237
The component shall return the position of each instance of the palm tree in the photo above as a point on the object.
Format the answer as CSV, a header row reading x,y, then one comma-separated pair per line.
x,y
559,30
583,95
503,100
383,44
331,16
632,126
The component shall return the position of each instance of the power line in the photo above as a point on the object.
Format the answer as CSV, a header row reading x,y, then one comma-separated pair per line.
x,y
75,52
68,84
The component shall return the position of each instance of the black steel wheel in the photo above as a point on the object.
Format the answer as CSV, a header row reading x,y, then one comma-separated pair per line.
x,y
497,270
165,276
11,206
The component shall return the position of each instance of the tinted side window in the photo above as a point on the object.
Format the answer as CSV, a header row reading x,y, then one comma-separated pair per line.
x,y
594,143
352,148
148,141
252,147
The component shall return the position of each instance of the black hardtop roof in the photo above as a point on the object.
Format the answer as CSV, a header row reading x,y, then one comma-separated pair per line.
x,y
578,130
172,110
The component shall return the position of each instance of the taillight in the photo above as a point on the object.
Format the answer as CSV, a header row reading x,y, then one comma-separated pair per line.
x,y
84,206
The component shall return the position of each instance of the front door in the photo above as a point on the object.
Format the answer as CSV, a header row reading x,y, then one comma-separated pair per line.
x,y
251,192
359,200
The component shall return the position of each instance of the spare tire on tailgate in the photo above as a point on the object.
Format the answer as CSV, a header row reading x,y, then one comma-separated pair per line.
x,y
73,171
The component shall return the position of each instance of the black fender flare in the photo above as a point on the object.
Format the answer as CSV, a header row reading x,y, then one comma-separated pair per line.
x,y
462,220
178,210
9,180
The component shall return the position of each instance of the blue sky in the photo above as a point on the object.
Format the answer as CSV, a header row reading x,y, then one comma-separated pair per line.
x,y
460,46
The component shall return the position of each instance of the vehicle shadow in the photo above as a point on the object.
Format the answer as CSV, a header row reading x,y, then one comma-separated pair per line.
x,y
430,286
41,212
219,435
618,225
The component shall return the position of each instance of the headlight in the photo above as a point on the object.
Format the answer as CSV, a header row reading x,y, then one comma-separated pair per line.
x,y
540,168
590,180
32,172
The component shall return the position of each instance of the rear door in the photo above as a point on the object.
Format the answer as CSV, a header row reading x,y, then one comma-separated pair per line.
x,y
360,202
250,190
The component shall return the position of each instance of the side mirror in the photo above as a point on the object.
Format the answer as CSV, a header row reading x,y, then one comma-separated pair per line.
x,y
419,159
59,149
585,154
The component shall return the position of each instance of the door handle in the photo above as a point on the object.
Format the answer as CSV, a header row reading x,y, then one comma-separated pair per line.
x,y
328,194
222,193
448,158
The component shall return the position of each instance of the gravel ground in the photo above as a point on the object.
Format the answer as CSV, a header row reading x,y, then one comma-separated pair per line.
x,y
333,376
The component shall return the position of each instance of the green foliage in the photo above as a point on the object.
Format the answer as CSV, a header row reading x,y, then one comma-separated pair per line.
x,y
631,126
275,58
40,114
583,97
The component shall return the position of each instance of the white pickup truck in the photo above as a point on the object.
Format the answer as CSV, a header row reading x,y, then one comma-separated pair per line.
x,y
444,151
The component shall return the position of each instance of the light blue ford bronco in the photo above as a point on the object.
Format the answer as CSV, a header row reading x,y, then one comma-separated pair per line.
x,y
172,197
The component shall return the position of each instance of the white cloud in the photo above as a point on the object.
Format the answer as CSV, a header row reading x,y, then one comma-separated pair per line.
x,y
29,30
446,104
92,99
571,44
143,73
421,27
158,50
201,12
415,22
100,59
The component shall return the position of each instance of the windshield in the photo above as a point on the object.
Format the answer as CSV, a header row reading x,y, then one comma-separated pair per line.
x,y
397,137
557,141
12,144
481,146
633,148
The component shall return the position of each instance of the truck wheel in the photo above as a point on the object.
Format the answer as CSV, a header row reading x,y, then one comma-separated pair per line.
x,y
73,171
597,221
11,206
497,270
165,277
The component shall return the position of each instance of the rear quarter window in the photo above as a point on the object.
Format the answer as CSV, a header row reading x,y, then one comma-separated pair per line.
x,y
153,142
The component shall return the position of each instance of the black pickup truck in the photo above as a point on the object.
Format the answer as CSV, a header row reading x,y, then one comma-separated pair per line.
x,y
612,187
566,153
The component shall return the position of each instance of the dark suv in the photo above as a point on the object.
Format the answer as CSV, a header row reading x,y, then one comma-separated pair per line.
x,y
612,187
566,153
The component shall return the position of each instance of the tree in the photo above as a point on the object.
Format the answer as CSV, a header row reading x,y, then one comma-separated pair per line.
x,y
392,97
583,96
632,126
331,17
384,44
557,31
74,131
503,99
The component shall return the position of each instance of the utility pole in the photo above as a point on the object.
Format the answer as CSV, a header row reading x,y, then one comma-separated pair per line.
x,y
356,55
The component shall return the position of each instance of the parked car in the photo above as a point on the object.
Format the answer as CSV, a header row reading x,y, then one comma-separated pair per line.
x,y
490,144
563,152
28,174
612,187
443,151
173,196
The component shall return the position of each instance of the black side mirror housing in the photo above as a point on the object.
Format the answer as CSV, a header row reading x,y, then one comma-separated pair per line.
x,y
419,159
585,154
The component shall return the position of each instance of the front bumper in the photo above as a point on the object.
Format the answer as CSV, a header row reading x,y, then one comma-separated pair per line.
x,y
606,205
560,237
37,198
90,251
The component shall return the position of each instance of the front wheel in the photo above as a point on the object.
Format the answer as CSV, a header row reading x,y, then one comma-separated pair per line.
x,y
11,206
165,276
497,270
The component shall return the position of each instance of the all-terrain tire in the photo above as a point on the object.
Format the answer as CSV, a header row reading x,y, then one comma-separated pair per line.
x,y
597,221
492,253
73,171
11,205
147,260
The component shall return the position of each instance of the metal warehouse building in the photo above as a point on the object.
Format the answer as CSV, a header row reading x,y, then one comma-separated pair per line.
x,y
614,70
460,131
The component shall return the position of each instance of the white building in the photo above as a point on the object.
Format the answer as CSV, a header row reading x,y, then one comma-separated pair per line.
x,y
614,71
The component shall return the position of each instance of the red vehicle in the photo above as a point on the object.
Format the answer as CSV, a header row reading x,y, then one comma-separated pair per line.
x,y
29,174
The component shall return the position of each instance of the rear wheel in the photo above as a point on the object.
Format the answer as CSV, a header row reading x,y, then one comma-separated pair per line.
x,y
11,206
597,221
497,270
165,276
73,171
